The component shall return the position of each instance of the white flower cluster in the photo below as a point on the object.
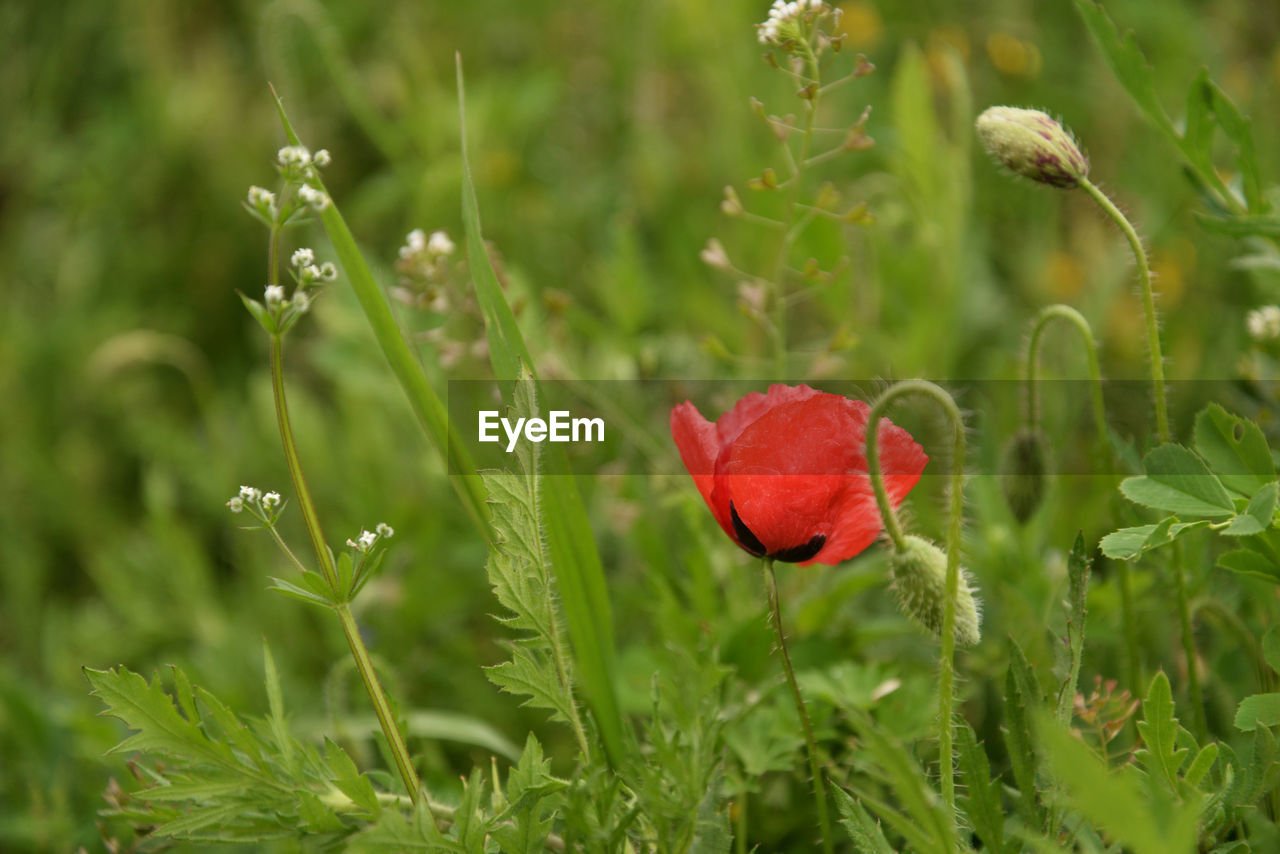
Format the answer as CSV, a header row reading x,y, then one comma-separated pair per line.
x,y
263,506
368,539
1263,323
782,18
307,271
437,245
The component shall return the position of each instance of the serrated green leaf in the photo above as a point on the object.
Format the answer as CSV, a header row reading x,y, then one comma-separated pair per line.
x,y
1159,730
1020,700
348,778
571,543
528,675
982,802
1177,481
232,728
1198,134
1257,515
926,826
149,710
1251,563
524,824
1200,765
1258,710
185,695
1235,449
865,831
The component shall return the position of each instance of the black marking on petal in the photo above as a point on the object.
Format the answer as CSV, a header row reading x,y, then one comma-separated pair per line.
x,y
746,539
799,554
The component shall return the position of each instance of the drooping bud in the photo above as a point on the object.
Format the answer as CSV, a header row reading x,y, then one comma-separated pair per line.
x,y
1022,468
1033,144
919,573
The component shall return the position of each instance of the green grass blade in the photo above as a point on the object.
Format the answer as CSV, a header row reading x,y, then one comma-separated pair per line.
x,y
426,404
574,558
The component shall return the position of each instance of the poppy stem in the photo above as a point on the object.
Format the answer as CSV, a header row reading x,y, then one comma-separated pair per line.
x,y
1105,457
946,663
819,788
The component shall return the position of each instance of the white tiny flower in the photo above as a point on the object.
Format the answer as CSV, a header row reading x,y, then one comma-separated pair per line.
x,y
352,544
271,499
321,158
260,198
440,244
414,243
302,257
301,302
236,504
328,272
249,493
313,198
385,531
293,155
1264,323
367,539
274,295
310,273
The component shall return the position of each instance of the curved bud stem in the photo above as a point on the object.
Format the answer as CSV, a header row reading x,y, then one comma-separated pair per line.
x,y
1163,433
1148,305
819,788
946,664
1076,319
1068,314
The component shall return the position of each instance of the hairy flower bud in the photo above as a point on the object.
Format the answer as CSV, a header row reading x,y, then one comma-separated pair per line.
x,y
919,572
1033,144
1023,468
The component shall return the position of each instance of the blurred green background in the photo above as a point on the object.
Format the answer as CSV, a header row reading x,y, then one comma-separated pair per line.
x,y
134,385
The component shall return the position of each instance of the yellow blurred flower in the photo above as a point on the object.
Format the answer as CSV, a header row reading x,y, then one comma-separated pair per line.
x,y
1013,56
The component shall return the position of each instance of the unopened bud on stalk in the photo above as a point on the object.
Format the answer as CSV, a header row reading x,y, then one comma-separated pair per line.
x,y
1033,144
919,572
1023,468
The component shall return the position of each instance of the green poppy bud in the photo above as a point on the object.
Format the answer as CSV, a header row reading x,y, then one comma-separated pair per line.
x,y
1023,470
1033,144
919,573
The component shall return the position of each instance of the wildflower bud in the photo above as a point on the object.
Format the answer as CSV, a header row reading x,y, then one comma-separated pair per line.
x,y
321,158
732,205
236,504
366,540
249,493
1034,145
302,258
439,244
328,272
1023,469
301,303
260,198
271,499
385,531
293,155
1263,323
274,298
312,198
714,256
919,572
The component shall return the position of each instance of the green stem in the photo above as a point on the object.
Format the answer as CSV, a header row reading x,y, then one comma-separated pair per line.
x,y
1162,430
1077,320
946,663
1148,305
819,788
381,706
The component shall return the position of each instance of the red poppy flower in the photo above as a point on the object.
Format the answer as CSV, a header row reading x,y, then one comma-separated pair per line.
x,y
785,473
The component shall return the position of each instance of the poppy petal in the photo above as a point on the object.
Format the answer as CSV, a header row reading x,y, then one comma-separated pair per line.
x,y
696,438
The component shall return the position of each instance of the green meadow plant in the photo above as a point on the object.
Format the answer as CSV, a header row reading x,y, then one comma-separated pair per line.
x,y
713,733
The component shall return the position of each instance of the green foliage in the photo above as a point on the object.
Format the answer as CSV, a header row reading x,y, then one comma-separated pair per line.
x,y
214,776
